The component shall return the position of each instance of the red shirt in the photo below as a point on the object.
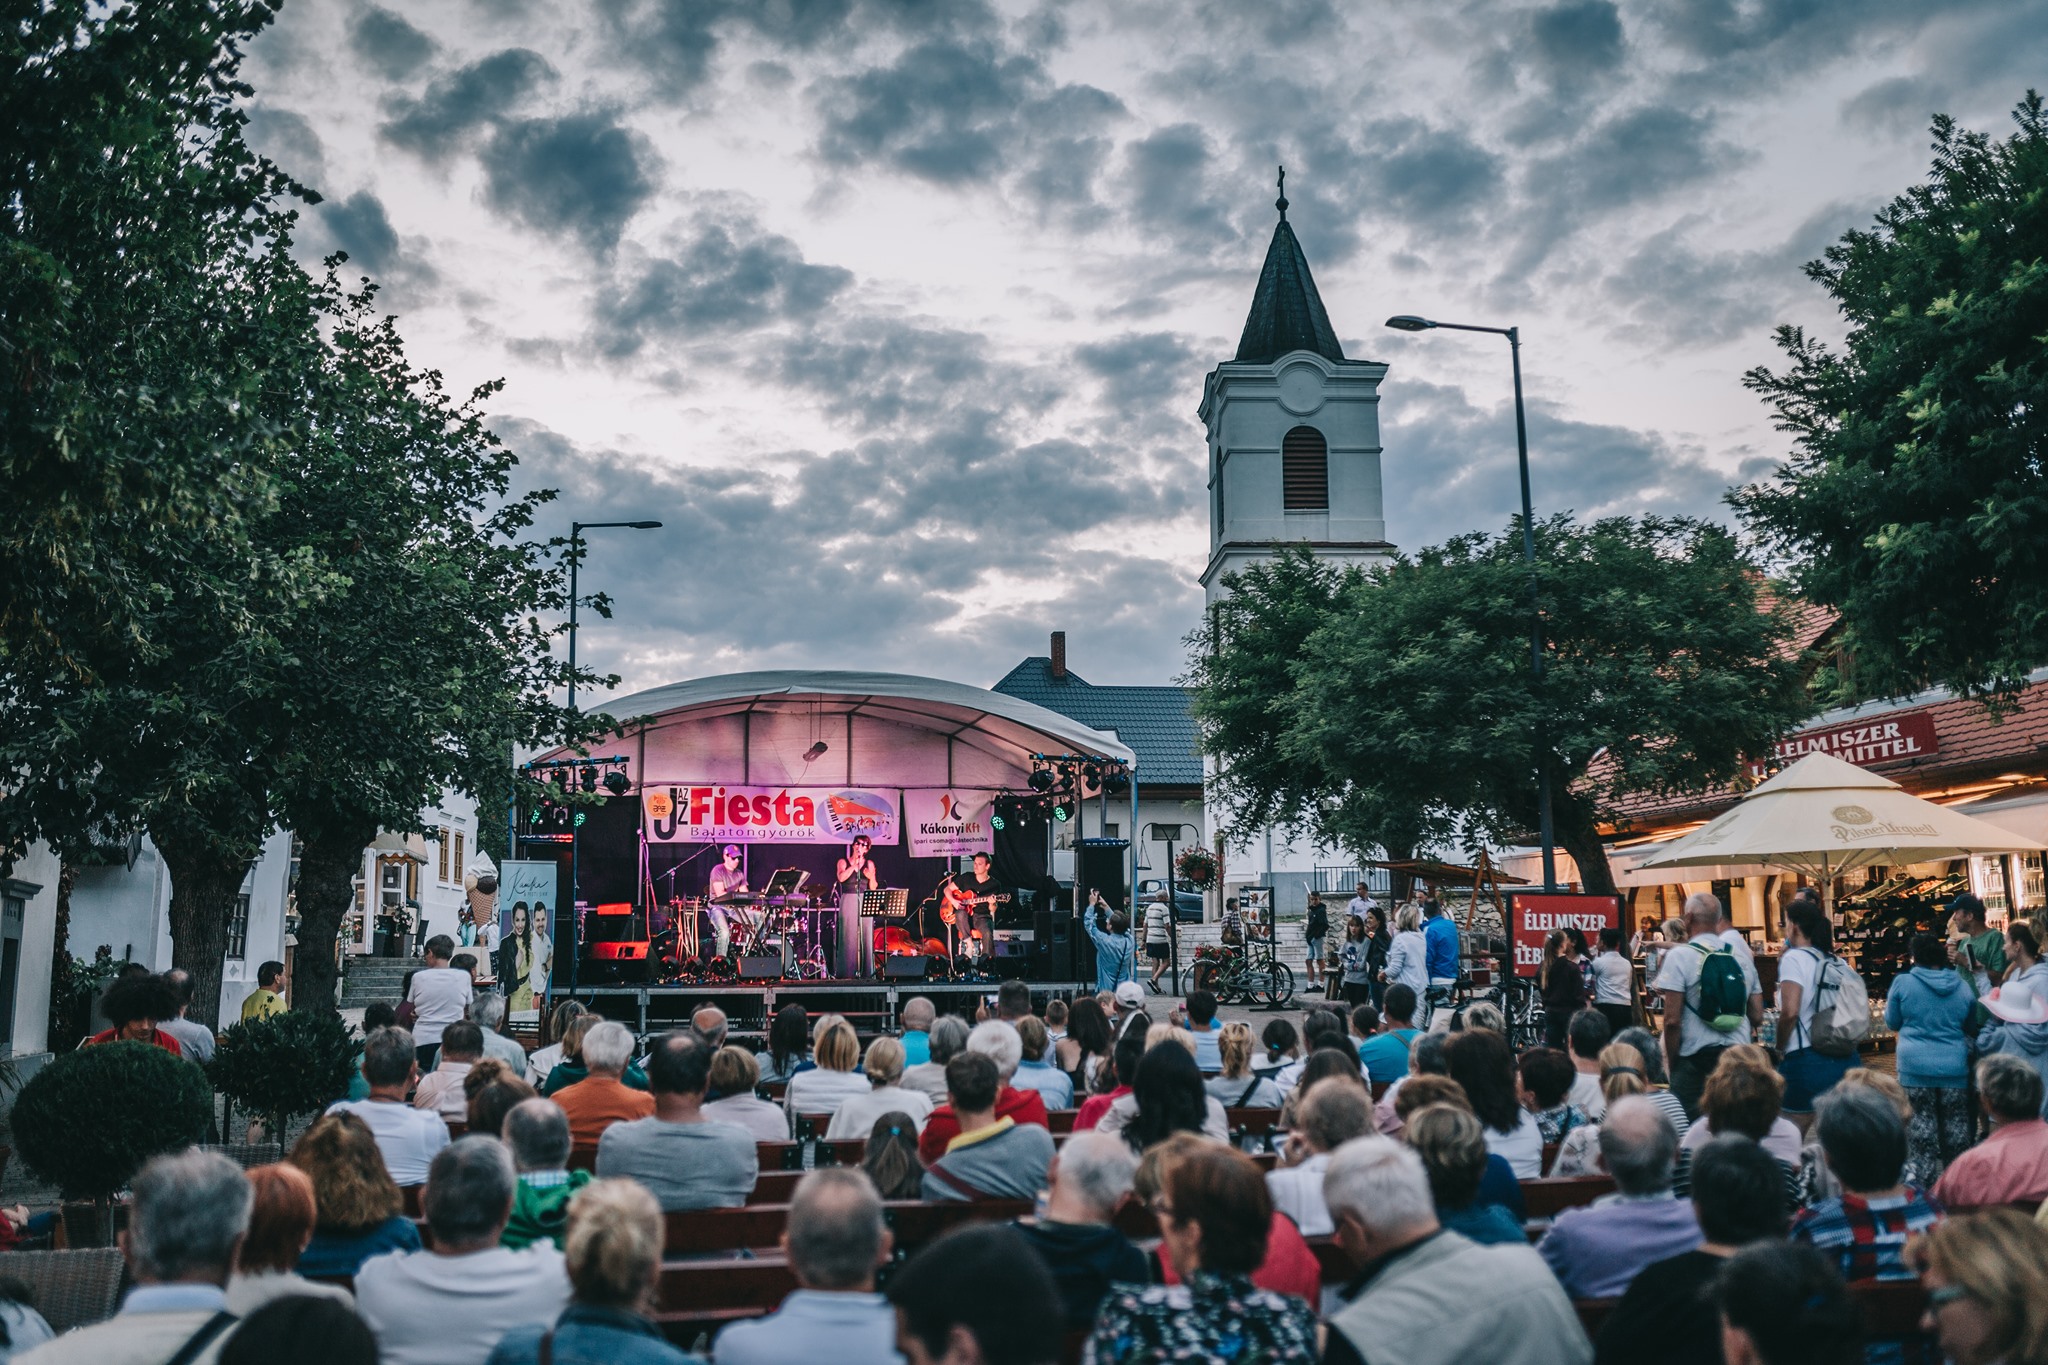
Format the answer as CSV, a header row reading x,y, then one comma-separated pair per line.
x,y
162,1040
2010,1164
1289,1268
1095,1106
1025,1106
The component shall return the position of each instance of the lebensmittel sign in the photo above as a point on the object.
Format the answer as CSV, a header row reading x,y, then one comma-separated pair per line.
x,y
1866,743
1535,914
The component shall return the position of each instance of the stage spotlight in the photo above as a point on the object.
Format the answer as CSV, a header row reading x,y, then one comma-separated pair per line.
x,y
561,779
617,783
997,820
1041,780
589,776
1061,812
1117,780
816,751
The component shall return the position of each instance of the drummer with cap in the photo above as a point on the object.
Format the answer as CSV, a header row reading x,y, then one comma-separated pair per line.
x,y
727,879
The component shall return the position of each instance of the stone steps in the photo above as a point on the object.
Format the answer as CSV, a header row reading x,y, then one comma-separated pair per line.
x,y
371,979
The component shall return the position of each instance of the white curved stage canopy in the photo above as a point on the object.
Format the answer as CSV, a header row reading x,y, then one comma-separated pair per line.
x,y
877,729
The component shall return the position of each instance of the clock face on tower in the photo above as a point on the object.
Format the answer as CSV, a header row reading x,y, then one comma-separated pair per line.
x,y
1301,389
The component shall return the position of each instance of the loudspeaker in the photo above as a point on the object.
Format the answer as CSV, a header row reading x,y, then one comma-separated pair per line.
x,y
1054,935
1103,866
905,967
760,968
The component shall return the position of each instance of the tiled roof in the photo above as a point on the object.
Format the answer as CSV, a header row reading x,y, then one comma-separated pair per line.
x,y
1287,313
1155,722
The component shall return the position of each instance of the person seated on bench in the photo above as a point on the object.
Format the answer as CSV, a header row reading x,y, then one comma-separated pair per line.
x,y
1986,1278
1866,1226
1238,1086
1786,1305
1668,1315
1076,1235
360,1213
1597,1250
916,1016
1328,1116
688,1160
614,1264
537,1132
883,1067
1428,1296
1497,1183
835,1242
998,1041
1452,1146
488,1012
407,1138
440,1090
1035,1071
450,1305
734,1077
835,1079
1202,1023
1167,1096
281,1221
975,1295
945,1039
1288,1265
992,1156
602,1098
1385,1051
2010,1165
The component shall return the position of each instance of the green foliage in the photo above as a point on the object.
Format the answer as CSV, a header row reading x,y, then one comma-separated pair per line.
x,y
1914,500
88,1121
74,982
1404,709
298,1062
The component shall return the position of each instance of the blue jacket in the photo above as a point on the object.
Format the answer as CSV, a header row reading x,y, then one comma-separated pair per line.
x,y
591,1336
1926,1007
1442,937
1116,955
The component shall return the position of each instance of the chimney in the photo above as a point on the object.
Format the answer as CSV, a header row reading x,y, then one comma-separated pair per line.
x,y
1059,654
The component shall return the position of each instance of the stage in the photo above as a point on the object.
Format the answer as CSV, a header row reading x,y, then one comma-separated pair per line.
x,y
748,1005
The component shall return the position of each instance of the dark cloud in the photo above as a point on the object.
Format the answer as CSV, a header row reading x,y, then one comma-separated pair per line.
x,y
582,176
389,44
1145,373
361,228
721,274
289,140
1575,39
1167,189
1435,176
880,371
463,101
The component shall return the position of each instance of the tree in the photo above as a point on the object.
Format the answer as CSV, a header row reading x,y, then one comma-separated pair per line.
x,y
1410,702
1915,497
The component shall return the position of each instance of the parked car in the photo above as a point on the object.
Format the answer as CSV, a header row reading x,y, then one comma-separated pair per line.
x,y
1187,905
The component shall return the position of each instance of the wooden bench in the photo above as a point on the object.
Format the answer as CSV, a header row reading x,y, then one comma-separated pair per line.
x,y
1059,1121
775,1187
785,1156
1251,1122
1891,1309
754,1227
758,1284
1545,1199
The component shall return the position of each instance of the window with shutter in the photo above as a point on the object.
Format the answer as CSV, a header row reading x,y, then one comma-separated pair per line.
x,y
1304,471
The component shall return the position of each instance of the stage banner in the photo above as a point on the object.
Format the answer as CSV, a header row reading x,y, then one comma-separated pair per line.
x,y
947,822
818,815
1534,915
531,884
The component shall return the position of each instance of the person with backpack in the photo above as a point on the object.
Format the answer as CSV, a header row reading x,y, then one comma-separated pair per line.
x,y
1823,1012
1712,1000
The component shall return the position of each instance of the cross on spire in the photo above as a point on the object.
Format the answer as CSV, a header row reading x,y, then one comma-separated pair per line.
x,y
1281,202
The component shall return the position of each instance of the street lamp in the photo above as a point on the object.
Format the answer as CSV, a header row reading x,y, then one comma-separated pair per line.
x,y
1408,322
1170,835
576,530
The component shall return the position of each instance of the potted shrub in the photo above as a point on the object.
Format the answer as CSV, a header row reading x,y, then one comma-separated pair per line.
x,y
1197,867
290,1064
88,1120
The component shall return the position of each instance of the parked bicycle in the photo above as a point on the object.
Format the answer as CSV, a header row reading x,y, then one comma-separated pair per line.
x,y
1234,976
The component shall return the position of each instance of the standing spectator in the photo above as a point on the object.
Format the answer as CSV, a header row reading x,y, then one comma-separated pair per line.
x,y
1563,986
195,1040
1986,1278
1785,1305
537,1134
439,995
1930,1008
602,1098
1668,1314
189,1215
734,1078
1167,1097
282,1215
1698,1029
450,1305
1445,962
1980,950
998,1041
1547,1079
268,997
1480,1061
1621,1074
835,1242
688,1161
1597,1250
1214,1216
1158,936
441,1091
1076,1235
2011,1164
948,1040
883,1066
1646,1045
2019,1005
1743,1096
1614,982
1408,954
890,1158
1013,1002
1586,1038
991,1156
407,1138
1354,964
916,1017
1202,1023
1452,1146
789,1046
1315,933
133,1005
543,1060
1361,902
1385,1054
946,1313
1116,951
1237,1086
1808,971
1378,941
1330,1115
1035,1070
836,1077
613,1264
1418,1307
360,1212
487,1012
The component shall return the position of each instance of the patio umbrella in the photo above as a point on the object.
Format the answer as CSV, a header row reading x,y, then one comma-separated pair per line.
x,y
1824,817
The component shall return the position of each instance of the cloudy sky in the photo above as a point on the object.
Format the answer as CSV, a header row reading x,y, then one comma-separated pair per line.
x,y
896,312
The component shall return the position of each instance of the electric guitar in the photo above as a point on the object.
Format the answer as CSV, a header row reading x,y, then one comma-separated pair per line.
x,y
953,900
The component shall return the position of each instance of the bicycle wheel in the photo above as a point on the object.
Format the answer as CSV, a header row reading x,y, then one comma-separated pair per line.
x,y
1200,976
1279,986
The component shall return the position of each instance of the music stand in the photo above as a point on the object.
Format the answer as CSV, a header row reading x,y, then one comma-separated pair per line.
x,y
786,881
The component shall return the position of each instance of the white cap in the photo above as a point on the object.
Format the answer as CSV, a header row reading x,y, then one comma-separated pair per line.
x,y
1130,993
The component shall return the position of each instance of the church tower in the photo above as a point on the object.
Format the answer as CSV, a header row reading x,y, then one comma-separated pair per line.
x,y
1294,430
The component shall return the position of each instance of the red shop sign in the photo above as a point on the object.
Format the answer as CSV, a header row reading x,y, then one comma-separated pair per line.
x,y
1868,743
1535,914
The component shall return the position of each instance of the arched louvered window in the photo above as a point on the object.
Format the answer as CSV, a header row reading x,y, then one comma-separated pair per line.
x,y
1304,471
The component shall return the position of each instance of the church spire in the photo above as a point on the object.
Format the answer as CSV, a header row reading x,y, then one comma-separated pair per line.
x,y
1287,313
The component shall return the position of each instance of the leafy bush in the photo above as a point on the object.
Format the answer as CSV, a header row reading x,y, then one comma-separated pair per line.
x,y
298,1062
88,1121
1196,867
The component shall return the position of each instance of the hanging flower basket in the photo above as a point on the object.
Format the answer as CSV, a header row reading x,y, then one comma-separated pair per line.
x,y
1196,867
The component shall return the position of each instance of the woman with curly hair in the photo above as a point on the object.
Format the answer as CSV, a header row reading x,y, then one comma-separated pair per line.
x,y
360,1213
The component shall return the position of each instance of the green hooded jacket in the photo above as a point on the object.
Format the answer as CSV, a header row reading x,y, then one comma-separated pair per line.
x,y
542,1214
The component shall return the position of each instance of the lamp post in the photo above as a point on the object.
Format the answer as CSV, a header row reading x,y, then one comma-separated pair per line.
x,y
1169,835
1408,322
576,530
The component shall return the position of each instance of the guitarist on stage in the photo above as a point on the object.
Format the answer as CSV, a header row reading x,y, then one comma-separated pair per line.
x,y
979,886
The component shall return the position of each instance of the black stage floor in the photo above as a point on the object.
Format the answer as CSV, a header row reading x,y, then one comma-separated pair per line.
x,y
870,1005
